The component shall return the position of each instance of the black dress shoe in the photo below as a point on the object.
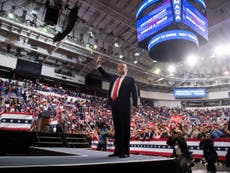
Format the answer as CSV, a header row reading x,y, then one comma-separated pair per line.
x,y
124,156
113,155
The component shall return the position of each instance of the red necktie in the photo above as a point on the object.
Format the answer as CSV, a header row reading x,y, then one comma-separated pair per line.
x,y
117,82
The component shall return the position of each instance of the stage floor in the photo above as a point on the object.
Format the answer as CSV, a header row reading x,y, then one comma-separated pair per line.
x,y
67,157
74,156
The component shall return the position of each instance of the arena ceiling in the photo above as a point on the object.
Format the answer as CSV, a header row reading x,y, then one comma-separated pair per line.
x,y
104,22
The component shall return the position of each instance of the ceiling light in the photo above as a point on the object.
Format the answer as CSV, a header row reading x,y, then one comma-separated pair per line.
x,y
116,44
11,15
191,60
226,73
95,46
91,34
219,50
171,68
157,71
137,54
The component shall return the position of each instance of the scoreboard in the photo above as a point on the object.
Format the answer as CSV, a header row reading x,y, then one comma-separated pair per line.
x,y
154,21
195,20
170,28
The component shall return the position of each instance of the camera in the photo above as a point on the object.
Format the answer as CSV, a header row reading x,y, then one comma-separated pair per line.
x,y
204,162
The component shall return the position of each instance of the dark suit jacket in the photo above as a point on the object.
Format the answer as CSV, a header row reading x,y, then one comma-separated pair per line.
x,y
128,92
209,151
181,143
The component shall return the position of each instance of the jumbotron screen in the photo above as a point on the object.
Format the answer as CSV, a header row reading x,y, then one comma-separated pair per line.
x,y
154,21
195,20
170,29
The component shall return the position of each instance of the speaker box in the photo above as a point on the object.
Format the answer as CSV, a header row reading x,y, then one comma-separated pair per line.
x,y
51,16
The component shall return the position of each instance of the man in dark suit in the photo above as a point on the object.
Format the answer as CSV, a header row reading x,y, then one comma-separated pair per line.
x,y
123,98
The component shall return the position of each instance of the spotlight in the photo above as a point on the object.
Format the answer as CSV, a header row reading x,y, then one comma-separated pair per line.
x,y
116,44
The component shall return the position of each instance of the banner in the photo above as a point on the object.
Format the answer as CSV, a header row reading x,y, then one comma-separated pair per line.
x,y
15,121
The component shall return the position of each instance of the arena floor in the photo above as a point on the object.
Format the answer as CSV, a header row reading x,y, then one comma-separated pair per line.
x,y
199,168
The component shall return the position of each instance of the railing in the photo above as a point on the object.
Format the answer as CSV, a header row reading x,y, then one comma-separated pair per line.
x,y
158,147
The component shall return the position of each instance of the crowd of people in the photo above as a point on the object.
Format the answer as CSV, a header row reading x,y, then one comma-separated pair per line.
x,y
86,114
79,113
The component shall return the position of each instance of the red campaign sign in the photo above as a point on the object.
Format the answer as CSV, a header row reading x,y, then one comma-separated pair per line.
x,y
176,118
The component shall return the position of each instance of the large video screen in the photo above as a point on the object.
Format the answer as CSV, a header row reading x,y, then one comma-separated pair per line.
x,y
28,67
195,20
202,3
172,35
154,21
143,6
189,92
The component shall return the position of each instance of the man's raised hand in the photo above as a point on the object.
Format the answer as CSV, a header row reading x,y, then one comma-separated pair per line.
x,y
99,60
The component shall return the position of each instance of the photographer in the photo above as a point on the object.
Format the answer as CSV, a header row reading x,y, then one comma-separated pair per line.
x,y
227,162
180,151
209,152
103,134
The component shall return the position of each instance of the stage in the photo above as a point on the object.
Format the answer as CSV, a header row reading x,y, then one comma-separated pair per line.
x,y
78,159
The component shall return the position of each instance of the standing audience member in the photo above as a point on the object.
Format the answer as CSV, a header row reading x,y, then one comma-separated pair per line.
x,y
209,152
